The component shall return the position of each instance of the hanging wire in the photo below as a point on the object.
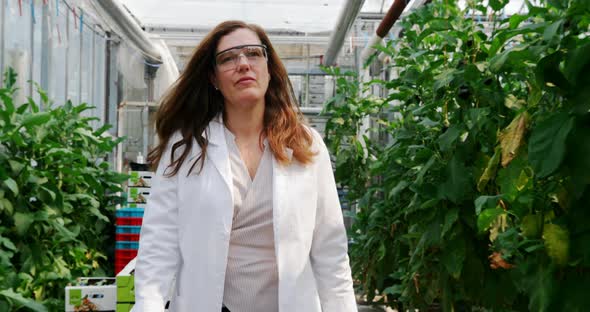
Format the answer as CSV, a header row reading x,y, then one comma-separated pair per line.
x,y
81,20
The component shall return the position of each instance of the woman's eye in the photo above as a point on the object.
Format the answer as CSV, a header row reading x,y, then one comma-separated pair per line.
x,y
253,53
225,59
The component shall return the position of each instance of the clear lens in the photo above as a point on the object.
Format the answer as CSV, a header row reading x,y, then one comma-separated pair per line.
x,y
230,58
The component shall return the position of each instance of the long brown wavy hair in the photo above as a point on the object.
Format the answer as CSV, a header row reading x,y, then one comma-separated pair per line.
x,y
192,102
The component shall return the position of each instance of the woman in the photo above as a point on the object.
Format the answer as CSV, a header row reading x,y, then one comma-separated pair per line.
x,y
244,209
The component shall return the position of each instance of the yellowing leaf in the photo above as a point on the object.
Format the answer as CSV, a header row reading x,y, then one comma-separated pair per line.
x,y
499,225
338,120
511,138
531,226
556,243
514,103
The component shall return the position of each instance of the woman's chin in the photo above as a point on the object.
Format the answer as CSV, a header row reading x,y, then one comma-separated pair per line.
x,y
249,96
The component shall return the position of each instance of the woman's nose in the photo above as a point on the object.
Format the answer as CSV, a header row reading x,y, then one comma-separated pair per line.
x,y
242,62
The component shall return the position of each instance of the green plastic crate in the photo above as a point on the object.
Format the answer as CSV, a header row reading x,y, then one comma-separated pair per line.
x,y
124,307
125,290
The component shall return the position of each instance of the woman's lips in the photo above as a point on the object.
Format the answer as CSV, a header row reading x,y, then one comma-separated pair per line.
x,y
245,80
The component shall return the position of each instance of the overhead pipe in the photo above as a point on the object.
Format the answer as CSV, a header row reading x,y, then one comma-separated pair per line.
x,y
393,14
390,18
129,29
345,21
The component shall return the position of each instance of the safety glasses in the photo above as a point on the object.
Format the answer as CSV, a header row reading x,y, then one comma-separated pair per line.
x,y
229,59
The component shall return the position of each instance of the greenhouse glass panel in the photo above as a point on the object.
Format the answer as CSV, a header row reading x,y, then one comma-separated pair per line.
x,y
302,15
17,45
57,85
36,11
73,60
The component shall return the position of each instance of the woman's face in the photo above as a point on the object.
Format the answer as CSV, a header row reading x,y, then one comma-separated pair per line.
x,y
241,74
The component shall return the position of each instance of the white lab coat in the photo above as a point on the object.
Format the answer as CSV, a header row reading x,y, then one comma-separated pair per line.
x,y
187,225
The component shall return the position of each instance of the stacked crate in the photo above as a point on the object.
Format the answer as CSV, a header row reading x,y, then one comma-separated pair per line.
x,y
130,217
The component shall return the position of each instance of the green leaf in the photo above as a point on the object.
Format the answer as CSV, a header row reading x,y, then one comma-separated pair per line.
x,y
485,219
486,202
23,221
35,119
458,183
490,171
515,179
498,5
547,143
549,74
444,79
10,78
66,235
514,55
454,256
516,19
424,169
577,63
447,139
551,30
398,188
22,301
11,184
450,219
560,4
541,289
394,290
46,195
16,166
97,213
7,205
7,243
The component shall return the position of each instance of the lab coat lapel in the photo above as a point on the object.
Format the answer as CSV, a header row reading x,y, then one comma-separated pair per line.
x,y
280,180
218,153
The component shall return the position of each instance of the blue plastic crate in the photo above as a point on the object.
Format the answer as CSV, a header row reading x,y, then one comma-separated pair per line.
x,y
126,245
129,212
128,229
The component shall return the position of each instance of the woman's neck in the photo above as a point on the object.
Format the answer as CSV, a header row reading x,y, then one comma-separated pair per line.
x,y
245,123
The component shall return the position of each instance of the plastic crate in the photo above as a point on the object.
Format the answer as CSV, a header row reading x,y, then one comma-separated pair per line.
x,y
140,179
126,245
129,221
126,254
127,237
122,258
130,212
120,266
128,229
138,195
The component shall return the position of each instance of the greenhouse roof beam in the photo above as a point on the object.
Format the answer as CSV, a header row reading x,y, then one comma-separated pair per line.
x,y
347,16
130,29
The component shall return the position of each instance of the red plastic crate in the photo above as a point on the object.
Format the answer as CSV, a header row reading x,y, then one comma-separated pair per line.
x,y
122,257
120,266
129,221
125,254
129,237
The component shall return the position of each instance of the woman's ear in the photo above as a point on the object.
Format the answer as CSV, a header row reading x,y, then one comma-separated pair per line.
x,y
213,81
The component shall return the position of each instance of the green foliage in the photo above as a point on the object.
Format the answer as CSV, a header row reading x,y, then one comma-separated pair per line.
x,y
57,198
471,184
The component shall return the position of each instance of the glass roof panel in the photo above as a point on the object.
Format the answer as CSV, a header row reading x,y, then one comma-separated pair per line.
x,y
295,15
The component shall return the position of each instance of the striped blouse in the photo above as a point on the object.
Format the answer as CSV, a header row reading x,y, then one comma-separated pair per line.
x,y
251,280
